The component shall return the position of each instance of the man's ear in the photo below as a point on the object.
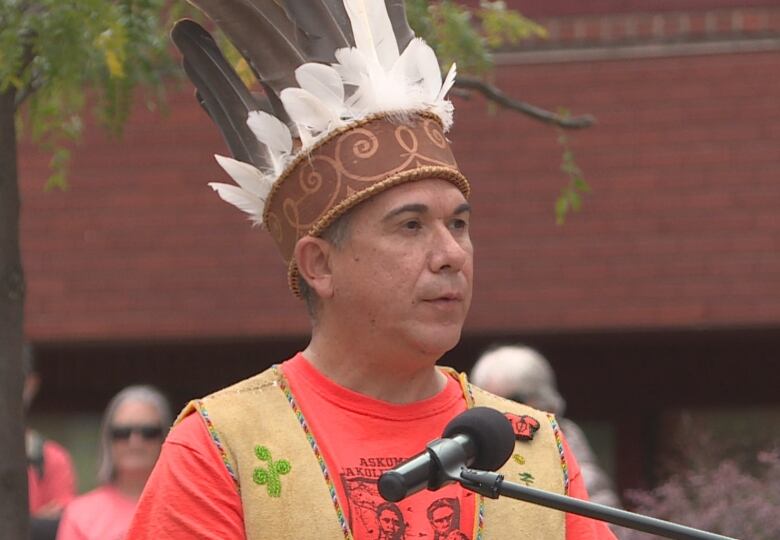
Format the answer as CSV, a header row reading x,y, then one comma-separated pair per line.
x,y
312,256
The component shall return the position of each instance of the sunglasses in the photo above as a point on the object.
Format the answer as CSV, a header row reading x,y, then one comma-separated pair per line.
x,y
147,432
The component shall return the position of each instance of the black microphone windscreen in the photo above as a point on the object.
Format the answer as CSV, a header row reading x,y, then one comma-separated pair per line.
x,y
491,433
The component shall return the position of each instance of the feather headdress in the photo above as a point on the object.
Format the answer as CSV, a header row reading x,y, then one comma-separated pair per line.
x,y
335,73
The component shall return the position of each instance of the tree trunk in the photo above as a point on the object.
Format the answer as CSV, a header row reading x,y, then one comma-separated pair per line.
x,y
14,520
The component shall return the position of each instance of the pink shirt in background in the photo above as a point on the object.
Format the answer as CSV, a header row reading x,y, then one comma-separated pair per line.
x,y
102,514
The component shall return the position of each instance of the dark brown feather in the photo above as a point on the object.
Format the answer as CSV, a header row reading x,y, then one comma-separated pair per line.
x,y
397,13
220,91
325,24
264,35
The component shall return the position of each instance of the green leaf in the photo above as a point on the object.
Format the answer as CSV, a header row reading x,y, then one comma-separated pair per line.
x,y
574,200
502,26
581,185
570,198
59,165
561,209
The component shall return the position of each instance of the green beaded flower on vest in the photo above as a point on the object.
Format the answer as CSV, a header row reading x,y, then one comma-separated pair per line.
x,y
269,477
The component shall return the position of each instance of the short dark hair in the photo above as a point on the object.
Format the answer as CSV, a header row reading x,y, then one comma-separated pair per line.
x,y
446,502
336,233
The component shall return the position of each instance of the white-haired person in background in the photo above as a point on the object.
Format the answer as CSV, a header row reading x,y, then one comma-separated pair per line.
x,y
134,425
522,374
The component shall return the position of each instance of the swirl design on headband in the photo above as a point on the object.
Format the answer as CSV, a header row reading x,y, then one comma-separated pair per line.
x,y
365,147
434,132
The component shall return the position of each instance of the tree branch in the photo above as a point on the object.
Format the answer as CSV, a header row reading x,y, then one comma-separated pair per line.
x,y
28,57
494,94
27,90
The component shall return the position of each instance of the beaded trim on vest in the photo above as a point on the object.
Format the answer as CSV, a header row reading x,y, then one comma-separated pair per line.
x,y
315,448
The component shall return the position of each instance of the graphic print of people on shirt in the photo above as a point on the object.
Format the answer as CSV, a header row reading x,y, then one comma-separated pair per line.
x,y
364,501
370,517
444,516
391,522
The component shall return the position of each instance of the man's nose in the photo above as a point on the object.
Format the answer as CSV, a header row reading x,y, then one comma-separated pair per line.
x,y
448,253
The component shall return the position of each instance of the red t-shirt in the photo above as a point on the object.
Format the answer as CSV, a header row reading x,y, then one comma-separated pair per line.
x,y
57,485
191,494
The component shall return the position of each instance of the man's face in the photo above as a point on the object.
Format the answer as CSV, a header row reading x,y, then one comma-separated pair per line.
x,y
403,277
442,519
389,522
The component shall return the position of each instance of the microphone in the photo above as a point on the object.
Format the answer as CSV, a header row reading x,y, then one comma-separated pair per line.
x,y
481,438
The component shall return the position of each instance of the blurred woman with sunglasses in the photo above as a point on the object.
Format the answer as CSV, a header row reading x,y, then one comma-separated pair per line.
x,y
133,428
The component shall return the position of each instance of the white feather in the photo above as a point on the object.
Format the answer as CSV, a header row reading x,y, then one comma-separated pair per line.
x,y
443,107
274,134
418,70
308,111
324,82
373,31
352,66
248,177
373,91
241,199
449,80
307,139
444,110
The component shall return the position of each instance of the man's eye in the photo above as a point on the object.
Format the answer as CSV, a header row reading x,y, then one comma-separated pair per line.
x,y
412,225
459,224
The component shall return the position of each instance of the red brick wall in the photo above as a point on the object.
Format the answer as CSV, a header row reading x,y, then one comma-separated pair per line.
x,y
681,230
557,8
694,25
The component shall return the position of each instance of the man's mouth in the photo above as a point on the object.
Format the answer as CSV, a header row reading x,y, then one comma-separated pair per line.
x,y
445,298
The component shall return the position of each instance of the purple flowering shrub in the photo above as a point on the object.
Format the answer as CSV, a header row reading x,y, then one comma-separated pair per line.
x,y
739,498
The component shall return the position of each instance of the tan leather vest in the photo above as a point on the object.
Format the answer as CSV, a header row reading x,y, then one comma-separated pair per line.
x,y
287,492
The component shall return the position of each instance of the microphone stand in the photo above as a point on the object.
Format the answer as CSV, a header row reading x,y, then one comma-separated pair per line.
x,y
493,485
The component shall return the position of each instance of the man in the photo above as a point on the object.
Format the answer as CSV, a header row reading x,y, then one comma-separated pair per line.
x,y
444,515
370,213
391,522
391,300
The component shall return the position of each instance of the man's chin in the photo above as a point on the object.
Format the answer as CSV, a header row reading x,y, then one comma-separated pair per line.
x,y
438,343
